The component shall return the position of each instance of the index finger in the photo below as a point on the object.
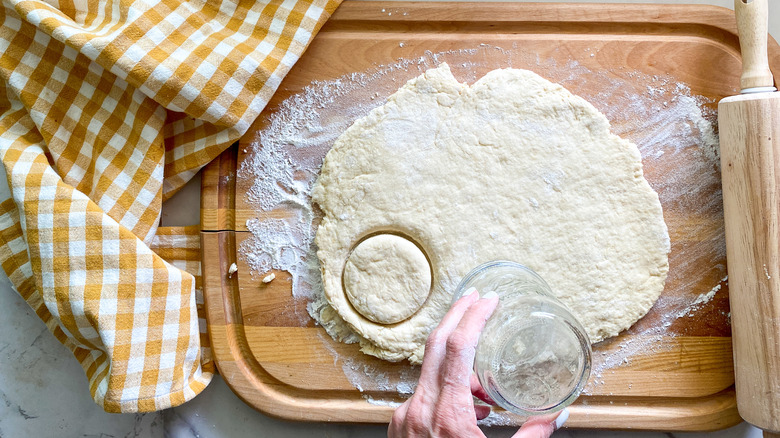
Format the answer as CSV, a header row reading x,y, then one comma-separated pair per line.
x,y
434,347
462,343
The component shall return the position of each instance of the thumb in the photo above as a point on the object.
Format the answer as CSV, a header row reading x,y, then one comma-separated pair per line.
x,y
542,427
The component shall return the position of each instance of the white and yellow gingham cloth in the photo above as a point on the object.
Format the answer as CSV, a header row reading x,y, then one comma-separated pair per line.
x,y
106,110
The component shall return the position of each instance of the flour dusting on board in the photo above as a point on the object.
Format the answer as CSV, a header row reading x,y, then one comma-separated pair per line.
x,y
366,377
673,128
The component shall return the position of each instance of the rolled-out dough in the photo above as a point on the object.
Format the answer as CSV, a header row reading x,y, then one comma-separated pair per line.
x,y
513,167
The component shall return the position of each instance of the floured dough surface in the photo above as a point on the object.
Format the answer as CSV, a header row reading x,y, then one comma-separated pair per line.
x,y
387,278
512,167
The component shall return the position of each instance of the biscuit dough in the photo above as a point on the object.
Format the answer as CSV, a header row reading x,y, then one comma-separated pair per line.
x,y
387,278
512,167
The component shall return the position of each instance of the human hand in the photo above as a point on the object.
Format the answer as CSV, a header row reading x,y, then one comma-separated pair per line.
x,y
442,405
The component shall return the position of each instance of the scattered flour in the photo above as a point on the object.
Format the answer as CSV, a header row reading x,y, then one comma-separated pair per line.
x,y
702,299
499,418
366,377
380,402
649,340
674,129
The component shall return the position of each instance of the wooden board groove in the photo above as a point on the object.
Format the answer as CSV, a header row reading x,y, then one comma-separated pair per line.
x,y
218,196
284,365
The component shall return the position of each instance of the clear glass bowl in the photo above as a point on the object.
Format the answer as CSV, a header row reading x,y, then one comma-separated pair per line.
x,y
533,356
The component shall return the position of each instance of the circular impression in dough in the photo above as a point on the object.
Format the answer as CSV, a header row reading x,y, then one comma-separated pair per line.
x,y
513,167
387,278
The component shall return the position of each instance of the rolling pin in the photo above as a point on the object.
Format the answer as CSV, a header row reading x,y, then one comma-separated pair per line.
x,y
749,125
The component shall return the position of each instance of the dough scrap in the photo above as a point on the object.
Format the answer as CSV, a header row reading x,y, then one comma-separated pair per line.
x,y
387,278
512,167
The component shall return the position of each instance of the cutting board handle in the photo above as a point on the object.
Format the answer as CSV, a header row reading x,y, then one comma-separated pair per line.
x,y
752,23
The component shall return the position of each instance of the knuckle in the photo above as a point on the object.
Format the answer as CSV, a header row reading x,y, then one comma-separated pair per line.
x,y
414,422
421,394
453,421
457,343
414,412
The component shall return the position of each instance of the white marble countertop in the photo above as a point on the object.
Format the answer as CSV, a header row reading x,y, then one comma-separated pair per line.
x,y
43,391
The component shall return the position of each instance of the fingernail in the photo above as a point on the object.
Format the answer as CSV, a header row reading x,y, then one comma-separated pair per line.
x,y
470,291
562,417
489,295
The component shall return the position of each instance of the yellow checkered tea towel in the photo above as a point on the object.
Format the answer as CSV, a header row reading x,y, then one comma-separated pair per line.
x,y
107,108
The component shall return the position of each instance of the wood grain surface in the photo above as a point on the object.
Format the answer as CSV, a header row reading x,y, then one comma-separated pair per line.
x,y
750,136
274,356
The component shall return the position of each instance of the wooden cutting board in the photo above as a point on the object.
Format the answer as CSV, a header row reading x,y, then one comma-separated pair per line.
x,y
678,374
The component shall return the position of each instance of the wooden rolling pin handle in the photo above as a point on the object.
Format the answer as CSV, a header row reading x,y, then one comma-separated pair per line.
x,y
752,23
